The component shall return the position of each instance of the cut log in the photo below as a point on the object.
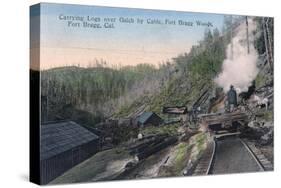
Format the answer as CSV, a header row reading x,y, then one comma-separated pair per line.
x,y
174,110
141,145
154,149
218,118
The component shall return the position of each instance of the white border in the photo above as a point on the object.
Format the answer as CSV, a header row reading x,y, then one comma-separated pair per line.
x,y
14,82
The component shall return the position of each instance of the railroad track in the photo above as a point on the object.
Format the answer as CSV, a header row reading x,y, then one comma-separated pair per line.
x,y
230,154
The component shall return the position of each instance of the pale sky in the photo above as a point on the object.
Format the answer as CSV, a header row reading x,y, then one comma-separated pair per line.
x,y
126,44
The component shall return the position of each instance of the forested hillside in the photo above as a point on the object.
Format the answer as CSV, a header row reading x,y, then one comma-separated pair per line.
x,y
104,91
189,76
98,92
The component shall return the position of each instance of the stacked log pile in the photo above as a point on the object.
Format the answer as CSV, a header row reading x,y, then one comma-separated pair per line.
x,y
151,144
216,118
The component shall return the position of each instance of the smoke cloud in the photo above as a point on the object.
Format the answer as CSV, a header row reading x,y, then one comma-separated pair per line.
x,y
239,68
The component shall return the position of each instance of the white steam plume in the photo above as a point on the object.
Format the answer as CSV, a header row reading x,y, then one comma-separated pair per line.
x,y
240,68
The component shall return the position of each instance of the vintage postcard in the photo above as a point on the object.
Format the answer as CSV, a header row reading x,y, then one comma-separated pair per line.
x,y
125,94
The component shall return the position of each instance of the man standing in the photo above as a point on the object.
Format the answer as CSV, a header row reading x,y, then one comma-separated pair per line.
x,y
231,99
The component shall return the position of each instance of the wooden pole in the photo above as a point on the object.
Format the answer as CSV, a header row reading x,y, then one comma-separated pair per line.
x,y
247,31
231,36
266,43
269,42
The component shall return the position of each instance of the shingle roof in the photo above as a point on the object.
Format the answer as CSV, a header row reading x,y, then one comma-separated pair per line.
x,y
144,117
62,136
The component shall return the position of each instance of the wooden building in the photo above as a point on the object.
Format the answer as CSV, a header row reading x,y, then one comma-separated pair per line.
x,y
63,145
149,118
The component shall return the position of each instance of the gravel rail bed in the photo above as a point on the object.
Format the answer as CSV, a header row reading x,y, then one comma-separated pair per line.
x,y
232,156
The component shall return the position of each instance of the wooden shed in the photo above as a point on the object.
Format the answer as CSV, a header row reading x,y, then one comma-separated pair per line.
x,y
63,145
149,118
